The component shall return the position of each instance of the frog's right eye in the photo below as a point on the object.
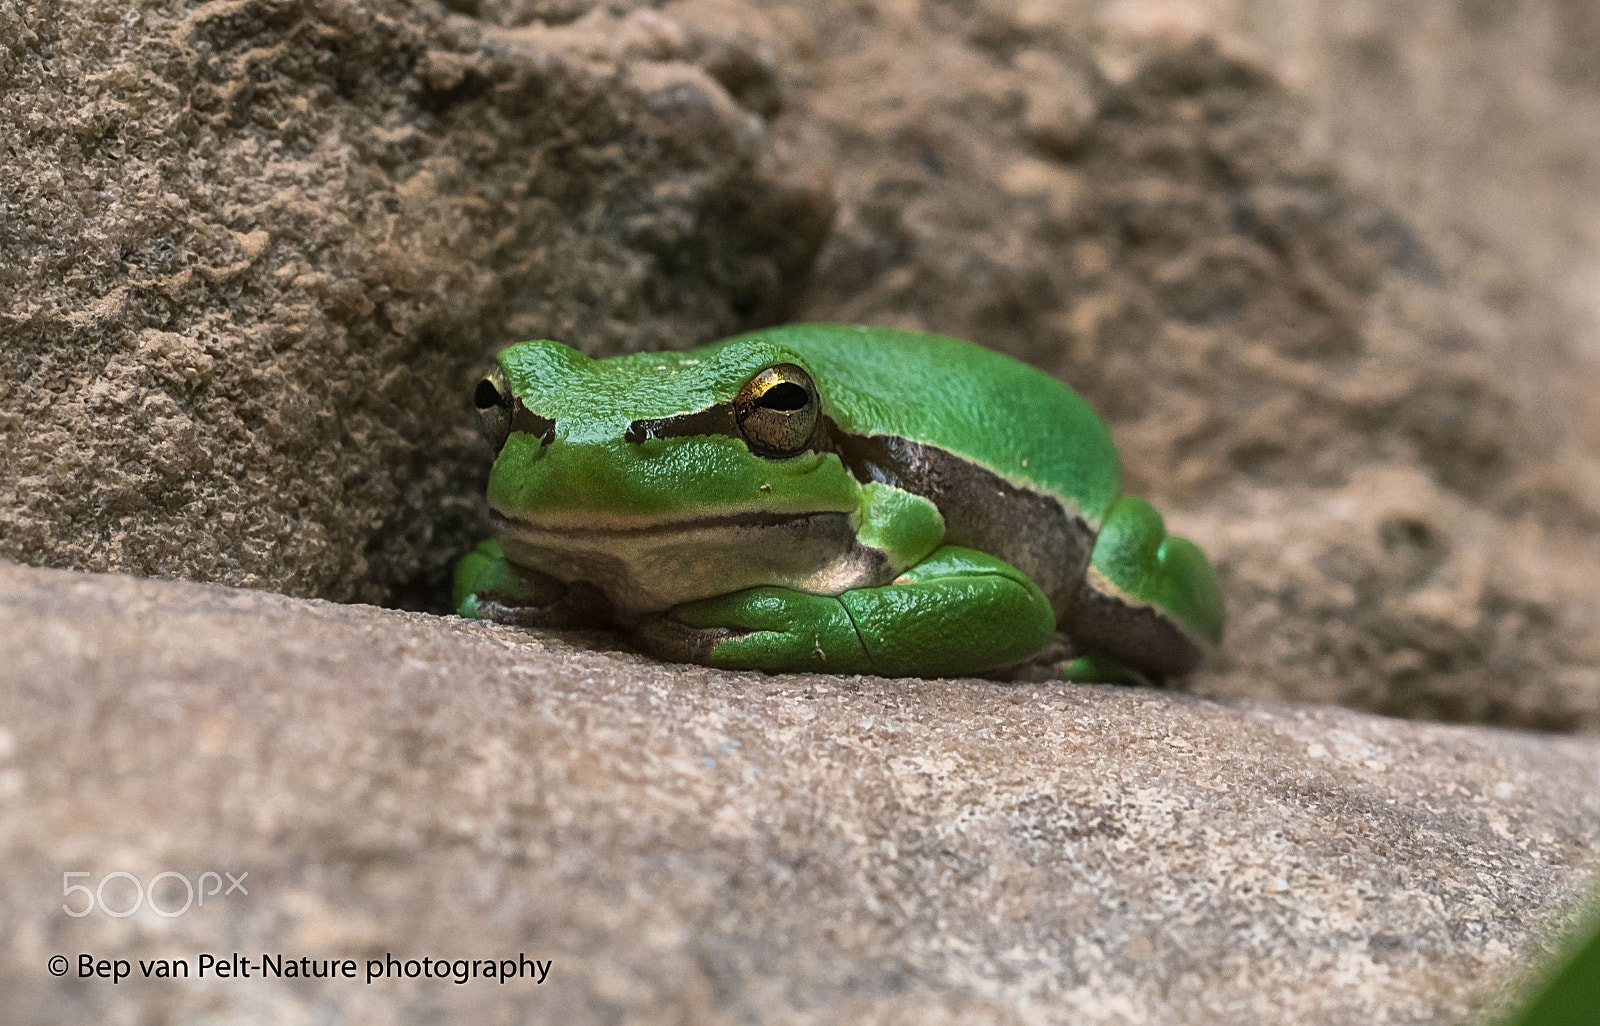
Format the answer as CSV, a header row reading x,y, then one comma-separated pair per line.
x,y
777,411
493,401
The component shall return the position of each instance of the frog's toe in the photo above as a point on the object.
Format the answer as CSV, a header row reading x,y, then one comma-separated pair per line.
x,y
771,629
489,587
1104,670
674,641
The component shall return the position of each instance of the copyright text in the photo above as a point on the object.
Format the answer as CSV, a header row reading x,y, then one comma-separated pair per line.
x,y
237,966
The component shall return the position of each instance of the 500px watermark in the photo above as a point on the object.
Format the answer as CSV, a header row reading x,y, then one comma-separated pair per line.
x,y
126,903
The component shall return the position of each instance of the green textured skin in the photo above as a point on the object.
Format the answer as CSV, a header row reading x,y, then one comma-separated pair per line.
x,y
998,413
663,477
1102,670
906,527
484,569
1041,435
1134,550
954,611
958,612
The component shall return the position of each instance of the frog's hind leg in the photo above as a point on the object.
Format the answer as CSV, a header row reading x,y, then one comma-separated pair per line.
x,y
956,613
1149,607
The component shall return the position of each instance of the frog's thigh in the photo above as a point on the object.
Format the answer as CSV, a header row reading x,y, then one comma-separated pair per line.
x,y
957,612
489,587
1150,601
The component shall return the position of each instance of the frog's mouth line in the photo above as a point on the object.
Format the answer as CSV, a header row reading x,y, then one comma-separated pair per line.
x,y
597,525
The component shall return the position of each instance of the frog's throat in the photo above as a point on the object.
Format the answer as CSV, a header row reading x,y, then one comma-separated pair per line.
x,y
648,566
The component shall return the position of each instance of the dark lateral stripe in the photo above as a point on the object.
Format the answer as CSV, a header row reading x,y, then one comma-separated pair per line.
x,y
982,510
714,420
873,458
528,422
1143,636
754,519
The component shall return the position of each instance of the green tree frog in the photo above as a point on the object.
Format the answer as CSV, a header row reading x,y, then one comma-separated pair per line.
x,y
830,498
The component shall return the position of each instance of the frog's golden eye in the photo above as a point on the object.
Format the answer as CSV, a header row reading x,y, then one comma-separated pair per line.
x,y
492,399
778,411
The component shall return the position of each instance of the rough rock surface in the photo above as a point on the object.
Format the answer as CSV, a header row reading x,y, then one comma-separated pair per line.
x,y
704,847
253,254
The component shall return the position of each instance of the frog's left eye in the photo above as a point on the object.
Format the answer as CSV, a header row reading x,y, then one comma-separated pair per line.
x,y
492,399
777,411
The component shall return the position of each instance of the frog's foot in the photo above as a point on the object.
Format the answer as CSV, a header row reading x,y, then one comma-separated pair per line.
x,y
1149,604
1104,670
1064,661
774,629
958,612
488,587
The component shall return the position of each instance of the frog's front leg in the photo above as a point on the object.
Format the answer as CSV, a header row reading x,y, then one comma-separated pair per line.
x,y
490,587
957,612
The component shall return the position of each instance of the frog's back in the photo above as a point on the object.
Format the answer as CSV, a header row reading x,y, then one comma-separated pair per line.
x,y
987,409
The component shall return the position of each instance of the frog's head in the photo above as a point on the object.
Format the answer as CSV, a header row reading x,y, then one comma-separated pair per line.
x,y
651,438
650,453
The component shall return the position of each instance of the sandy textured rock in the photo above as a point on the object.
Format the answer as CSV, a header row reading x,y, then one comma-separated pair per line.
x,y
697,846
253,255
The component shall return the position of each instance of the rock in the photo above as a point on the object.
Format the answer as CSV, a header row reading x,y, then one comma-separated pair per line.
x,y
1393,594
254,254
689,845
